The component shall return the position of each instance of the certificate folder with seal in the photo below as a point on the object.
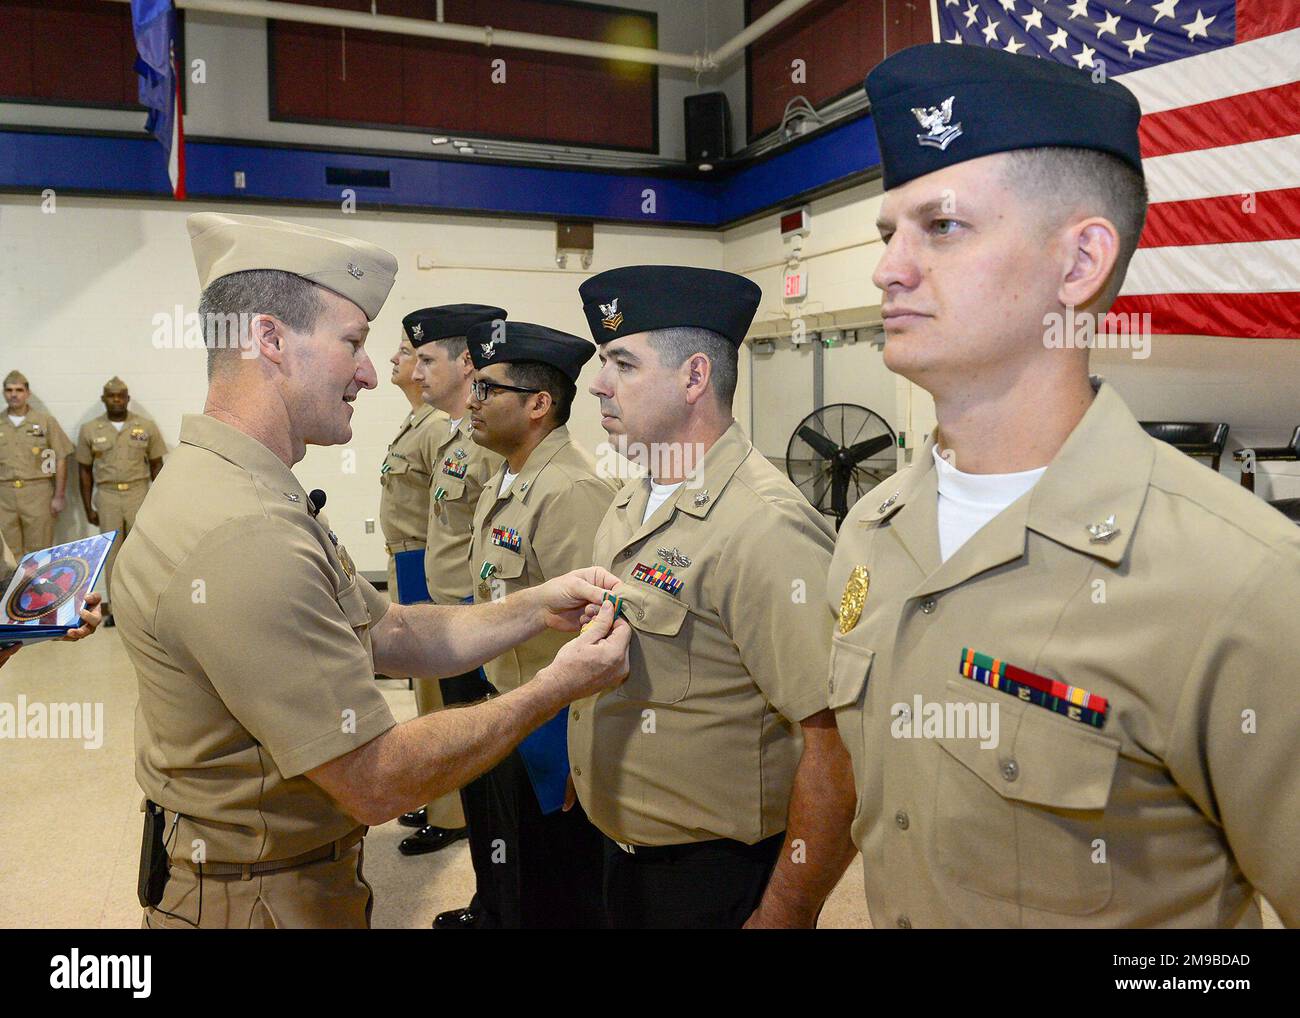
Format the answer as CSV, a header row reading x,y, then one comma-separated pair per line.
x,y
44,598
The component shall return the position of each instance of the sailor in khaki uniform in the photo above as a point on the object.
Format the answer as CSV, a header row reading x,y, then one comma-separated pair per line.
x,y
406,478
33,470
715,772
460,468
535,519
264,747
118,453
1054,662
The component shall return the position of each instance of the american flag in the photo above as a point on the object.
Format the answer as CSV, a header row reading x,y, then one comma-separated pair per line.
x,y
1219,86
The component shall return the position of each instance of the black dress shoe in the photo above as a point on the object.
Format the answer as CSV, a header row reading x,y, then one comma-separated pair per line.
x,y
430,839
418,818
456,919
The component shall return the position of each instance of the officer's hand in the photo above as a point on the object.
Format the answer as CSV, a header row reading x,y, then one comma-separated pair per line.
x,y
57,503
571,600
9,652
91,617
92,517
594,661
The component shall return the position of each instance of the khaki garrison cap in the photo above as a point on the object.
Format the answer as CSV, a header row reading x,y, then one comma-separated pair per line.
x,y
16,377
115,384
224,244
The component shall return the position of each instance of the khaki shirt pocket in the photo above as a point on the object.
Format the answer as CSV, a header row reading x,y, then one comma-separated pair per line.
x,y
451,489
1024,820
392,470
660,658
510,573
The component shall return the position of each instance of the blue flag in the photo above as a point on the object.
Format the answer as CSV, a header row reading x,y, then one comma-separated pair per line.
x,y
154,22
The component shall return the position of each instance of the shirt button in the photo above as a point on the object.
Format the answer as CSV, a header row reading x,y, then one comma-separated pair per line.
x,y
1010,770
625,553
904,923
575,715
927,606
900,818
577,772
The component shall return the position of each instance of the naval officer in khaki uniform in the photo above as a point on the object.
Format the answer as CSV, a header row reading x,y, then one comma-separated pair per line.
x,y
33,470
1062,663
461,467
264,747
535,520
716,812
406,479
119,453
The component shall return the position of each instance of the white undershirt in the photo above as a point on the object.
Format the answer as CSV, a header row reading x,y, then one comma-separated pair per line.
x,y
456,424
659,494
15,421
118,426
968,501
505,483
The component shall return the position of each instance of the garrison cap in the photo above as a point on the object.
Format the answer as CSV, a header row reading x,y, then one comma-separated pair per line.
x,y
497,342
114,384
16,377
447,320
225,243
938,104
640,298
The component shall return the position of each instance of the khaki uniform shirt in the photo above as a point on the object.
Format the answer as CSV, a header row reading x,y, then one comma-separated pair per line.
x,y
120,457
1187,796
541,528
23,447
405,477
461,470
249,632
702,740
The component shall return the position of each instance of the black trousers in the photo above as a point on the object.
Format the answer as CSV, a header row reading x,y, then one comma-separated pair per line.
x,y
711,885
534,871
458,690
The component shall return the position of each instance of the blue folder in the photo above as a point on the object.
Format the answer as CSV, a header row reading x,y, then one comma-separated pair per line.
x,y
546,757
412,588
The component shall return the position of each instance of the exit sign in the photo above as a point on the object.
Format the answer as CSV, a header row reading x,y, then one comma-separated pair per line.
x,y
796,284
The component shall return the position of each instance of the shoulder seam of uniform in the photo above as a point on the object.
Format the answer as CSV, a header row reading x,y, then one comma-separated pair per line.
x,y
1281,541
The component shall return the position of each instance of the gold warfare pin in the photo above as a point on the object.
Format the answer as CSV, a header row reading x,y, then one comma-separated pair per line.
x,y
854,598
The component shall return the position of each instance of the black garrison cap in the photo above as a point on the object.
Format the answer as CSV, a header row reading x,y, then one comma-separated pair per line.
x,y
938,104
500,342
639,298
447,320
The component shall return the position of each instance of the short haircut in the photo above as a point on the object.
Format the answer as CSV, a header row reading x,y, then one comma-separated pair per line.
x,y
675,345
1085,180
284,295
454,345
548,378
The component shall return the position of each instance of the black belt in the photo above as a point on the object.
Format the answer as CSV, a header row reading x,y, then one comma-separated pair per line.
x,y
246,871
716,847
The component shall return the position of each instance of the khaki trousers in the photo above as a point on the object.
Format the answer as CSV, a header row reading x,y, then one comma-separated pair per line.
x,y
328,894
117,511
25,517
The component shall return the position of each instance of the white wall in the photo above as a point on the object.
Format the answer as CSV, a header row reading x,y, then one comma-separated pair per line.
x,y
1254,385
234,101
79,290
